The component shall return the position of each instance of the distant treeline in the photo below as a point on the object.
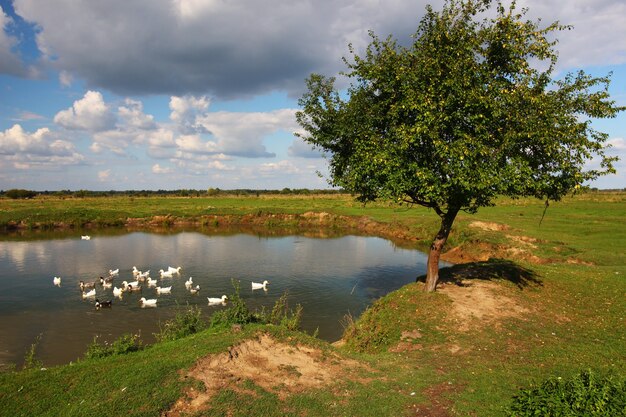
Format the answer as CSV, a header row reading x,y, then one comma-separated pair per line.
x,y
20,193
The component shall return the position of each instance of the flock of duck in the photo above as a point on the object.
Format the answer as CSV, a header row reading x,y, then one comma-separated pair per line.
x,y
88,289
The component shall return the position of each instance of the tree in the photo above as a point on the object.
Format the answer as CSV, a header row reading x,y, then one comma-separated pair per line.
x,y
468,112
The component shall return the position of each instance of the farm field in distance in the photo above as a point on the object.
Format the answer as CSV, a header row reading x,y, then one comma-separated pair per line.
x,y
532,295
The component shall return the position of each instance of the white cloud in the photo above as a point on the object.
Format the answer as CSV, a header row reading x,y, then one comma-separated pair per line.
x,y
65,78
41,148
10,63
90,113
617,144
185,110
104,175
132,116
157,169
300,149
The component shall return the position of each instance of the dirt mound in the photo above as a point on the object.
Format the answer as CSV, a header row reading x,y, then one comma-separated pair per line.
x,y
489,226
479,303
277,367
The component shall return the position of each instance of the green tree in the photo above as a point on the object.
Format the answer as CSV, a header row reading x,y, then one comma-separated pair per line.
x,y
469,111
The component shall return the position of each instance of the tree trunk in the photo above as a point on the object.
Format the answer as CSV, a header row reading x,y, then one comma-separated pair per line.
x,y
432,272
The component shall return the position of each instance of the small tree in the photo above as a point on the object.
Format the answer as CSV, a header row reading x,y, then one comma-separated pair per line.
x,y
468,112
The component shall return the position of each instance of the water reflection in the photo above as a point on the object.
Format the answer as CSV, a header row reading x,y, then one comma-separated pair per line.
x,y
329,277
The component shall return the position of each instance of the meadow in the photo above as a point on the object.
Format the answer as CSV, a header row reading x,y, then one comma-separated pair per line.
x,y
535,294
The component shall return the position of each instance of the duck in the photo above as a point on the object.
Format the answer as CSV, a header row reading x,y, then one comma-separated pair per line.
x,y
88,294
106,282
213,301
164,290
117,292
126,284
194,290
85,237
258,286
130,287
84,285
136,271
56,281
174,270
166,274
103,304
113,272
151,302
189,282
143,275
151,282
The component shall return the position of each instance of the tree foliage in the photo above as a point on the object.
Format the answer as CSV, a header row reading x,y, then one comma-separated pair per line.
x,y
469,111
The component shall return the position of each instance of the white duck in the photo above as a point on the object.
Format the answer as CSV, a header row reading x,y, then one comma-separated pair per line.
x,y
189,283
56,281
164,290
85,285
213,301
88,294
117,291
166,274
194,290
143,275
135,271
258,286
151,282
151,302
174,270
126,284
113,272
85,237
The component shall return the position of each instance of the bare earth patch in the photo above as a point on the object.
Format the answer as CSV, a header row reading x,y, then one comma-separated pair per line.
x,y
476,303
274,366
489,226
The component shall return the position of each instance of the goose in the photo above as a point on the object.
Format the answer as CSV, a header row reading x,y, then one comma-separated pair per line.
x,y
56,281
189,282
151,282
194,290
103,304
113,272
117,292
91,293
85,237
213,301
166,274
151,302
258,286
174,270
164,290
83,285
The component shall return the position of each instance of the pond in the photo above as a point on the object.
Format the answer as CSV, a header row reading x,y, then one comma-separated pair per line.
x,y
328,277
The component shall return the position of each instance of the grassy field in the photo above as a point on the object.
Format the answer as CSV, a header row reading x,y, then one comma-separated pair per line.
x,y
535,299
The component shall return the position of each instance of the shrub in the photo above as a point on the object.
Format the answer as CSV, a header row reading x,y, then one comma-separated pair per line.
x,y
584,394
183,324
124,344
236,313
20,194
281,315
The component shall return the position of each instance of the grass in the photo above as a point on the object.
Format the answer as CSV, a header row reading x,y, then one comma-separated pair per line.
x,y
567,273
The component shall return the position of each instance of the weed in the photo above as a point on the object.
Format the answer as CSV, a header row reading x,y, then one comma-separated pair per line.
x,y
124,344
236,313
584,394
30,359
183,324
281,314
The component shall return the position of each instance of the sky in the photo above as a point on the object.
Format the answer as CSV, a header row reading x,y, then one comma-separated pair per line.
x,y
197,94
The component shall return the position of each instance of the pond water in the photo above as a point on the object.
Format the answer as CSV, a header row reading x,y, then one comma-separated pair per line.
x,y
328,277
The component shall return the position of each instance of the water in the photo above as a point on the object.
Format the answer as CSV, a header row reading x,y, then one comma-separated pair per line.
x,y
328,277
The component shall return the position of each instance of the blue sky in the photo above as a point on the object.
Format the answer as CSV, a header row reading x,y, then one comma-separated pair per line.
x,y
173,94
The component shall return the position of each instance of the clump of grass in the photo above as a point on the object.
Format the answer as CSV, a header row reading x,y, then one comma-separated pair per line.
x,y
124,344
30,359
281,315
237,313
185,323
584,394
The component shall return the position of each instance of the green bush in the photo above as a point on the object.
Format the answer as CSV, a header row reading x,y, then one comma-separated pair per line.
x,y
236,313
183,324
124,344
584,394
19,193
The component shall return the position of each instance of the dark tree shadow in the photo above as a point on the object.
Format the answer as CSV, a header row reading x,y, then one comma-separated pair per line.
x,y
493,269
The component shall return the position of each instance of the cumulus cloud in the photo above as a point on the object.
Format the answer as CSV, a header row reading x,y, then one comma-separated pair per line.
x,y
185,110
10,63
40,148
301,149
225,49
132,116
90,113
157,169
617,144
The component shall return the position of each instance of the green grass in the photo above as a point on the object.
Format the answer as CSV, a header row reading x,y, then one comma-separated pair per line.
x,y
570,282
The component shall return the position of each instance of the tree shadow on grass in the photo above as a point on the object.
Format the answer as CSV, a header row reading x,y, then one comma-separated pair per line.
x,y
492,269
